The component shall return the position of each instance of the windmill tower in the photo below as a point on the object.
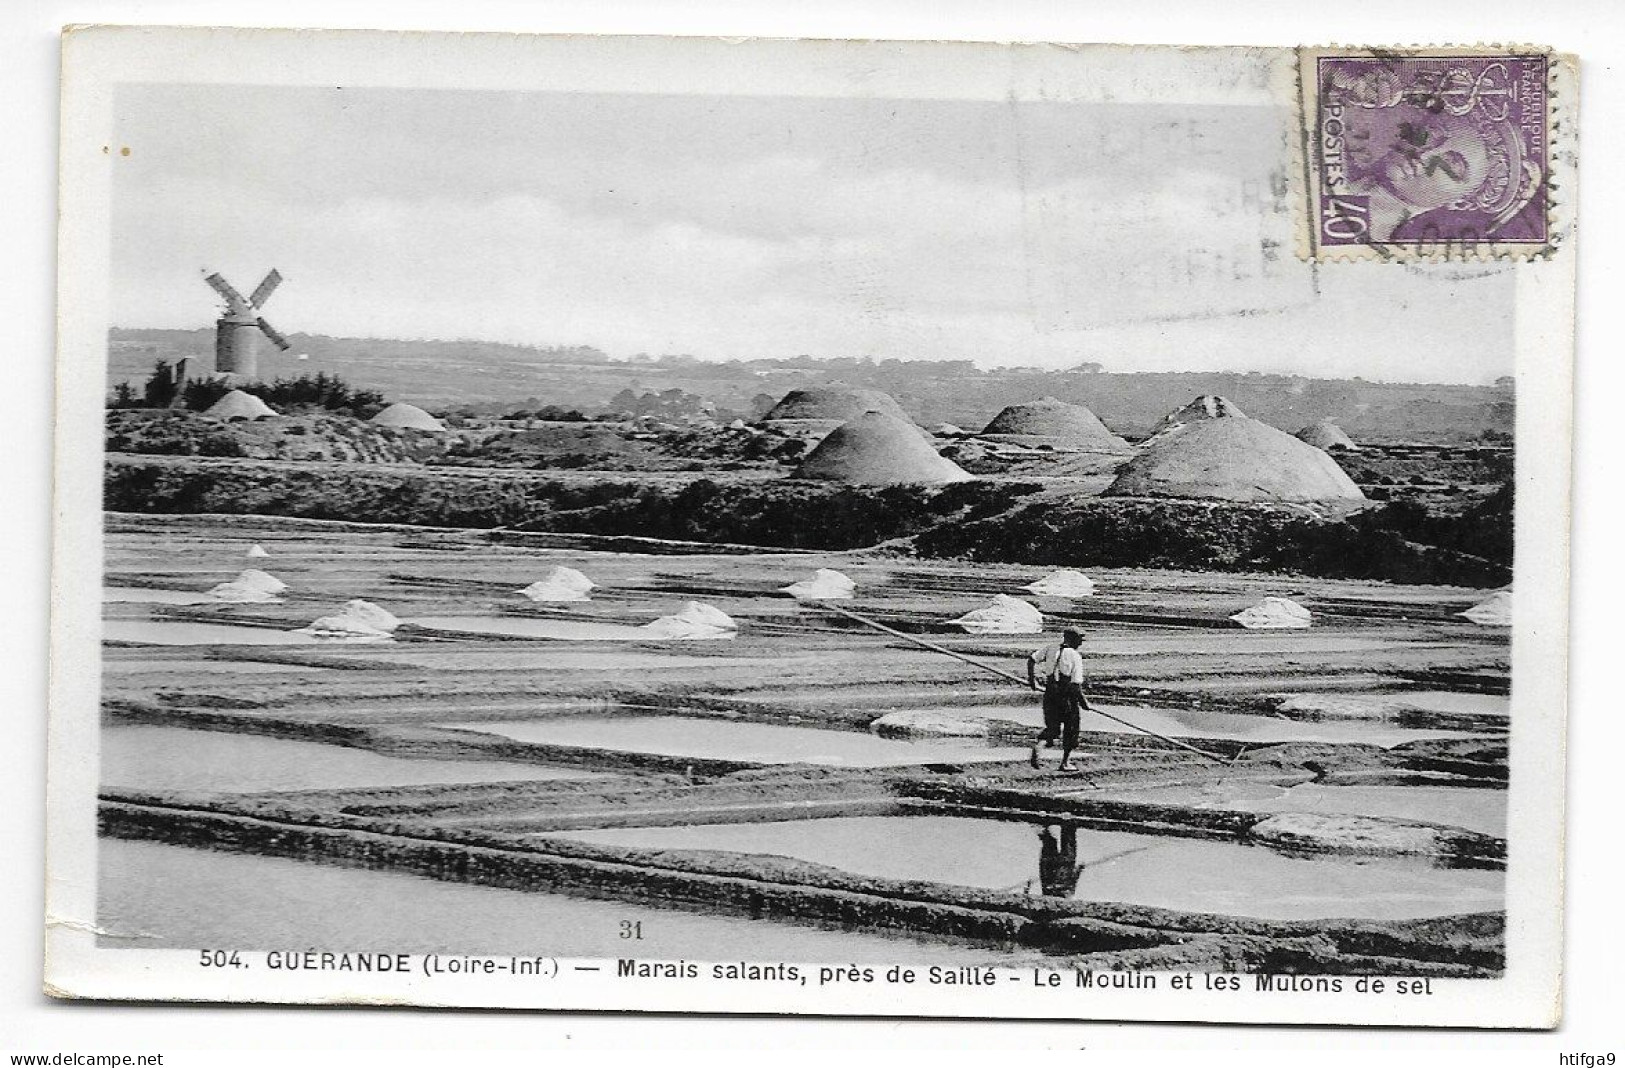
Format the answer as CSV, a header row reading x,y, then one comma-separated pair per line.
x,y
237,334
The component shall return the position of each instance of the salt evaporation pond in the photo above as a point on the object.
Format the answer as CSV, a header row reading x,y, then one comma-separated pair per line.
x,y
1185,874
1470,808
176,668
1192,723
528,658
175,632
148,757
143,595
761,743
554,629
171,897
1472,704
1484,811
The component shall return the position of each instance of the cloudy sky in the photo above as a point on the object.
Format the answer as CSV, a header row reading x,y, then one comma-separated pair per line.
x,y
1144,237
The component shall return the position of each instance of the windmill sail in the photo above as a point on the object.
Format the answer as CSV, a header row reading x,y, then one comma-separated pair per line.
x,y
265,289
271,332
235,300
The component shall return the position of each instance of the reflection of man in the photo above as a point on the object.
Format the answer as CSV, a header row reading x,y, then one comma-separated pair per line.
x,y
1415,158
1058,867
1061,669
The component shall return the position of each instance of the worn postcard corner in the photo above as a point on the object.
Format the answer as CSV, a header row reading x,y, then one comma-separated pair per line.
x,y
746,526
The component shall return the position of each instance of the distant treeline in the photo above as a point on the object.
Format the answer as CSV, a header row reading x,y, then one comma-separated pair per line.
x,y
499,378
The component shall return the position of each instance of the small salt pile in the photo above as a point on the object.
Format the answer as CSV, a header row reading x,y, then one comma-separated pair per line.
x,y
249,587
1495,612
1064,583
826,584
1003,615
1274,613
357,621
696,620
256,552
560,584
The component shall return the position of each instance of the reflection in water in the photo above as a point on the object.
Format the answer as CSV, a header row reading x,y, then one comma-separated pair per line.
x,y
1058,867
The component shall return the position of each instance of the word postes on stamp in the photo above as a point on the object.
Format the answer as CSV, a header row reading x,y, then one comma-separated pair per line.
x,y
1428,156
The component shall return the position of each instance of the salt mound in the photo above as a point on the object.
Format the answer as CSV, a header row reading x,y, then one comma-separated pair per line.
x,y
239,405
256,551
947,430
261,580
409,416
560,584
825,585
1055,422
357,620
1327,435
241,593
877,449
1495,612
837,403
251,586
1233,459
695,620
1274,613
1063,583
1003,615
1206,406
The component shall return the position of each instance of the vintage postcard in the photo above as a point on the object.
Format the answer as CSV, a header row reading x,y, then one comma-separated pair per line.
x,y
831,527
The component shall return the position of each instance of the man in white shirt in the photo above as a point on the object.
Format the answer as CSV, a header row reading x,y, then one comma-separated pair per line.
x,y
1058,671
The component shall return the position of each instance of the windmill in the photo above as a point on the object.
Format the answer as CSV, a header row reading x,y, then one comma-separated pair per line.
x,y
236,337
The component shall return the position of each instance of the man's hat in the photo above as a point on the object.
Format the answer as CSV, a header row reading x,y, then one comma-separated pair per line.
x,y
1072,632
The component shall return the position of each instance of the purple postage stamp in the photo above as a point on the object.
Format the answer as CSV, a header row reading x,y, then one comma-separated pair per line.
x,y
1429,154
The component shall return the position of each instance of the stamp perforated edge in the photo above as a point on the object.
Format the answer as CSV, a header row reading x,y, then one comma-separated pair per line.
x,y
1558,189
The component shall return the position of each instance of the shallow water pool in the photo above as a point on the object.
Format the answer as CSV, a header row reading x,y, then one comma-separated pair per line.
x,y
1184,874
555,629
143,595
762,743
172,897
150,757
176,632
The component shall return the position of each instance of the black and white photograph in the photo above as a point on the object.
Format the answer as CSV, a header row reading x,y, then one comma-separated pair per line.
x,y
813,527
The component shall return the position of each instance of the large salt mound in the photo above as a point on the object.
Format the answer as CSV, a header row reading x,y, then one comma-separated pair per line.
x,y
1326,435
1003,615
1233,459
1274,613
1055,422
695,620
1495,612
358,620
409,416
1063,583
560,584
836,403
1206,406
826,584
239,405
877,449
